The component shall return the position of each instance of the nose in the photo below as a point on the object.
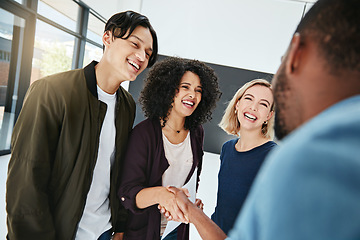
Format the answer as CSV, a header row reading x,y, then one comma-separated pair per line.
x,y
192,93
140,55
253,106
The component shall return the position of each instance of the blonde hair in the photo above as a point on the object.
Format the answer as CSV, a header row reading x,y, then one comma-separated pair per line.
x,y
230,123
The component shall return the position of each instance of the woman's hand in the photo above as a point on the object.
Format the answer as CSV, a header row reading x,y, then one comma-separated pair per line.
x,y
167,213
167,200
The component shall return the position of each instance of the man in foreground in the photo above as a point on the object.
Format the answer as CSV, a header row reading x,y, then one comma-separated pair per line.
x,y
309,186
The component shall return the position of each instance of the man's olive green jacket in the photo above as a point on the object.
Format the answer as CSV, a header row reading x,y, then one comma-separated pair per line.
x,y
54,150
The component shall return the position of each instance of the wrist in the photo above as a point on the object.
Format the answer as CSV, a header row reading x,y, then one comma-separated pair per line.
x,y
191,211
161,195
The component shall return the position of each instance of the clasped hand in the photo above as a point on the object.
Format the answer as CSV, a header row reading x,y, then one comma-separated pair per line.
x,y
174,209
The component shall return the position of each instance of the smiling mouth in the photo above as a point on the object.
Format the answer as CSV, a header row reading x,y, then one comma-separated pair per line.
x,y
188,103
132,63
250,117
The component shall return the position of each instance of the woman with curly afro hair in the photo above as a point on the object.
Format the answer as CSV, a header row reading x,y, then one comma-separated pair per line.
x,y
167,148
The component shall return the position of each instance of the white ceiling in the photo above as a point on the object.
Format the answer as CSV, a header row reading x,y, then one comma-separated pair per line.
x,y
113,6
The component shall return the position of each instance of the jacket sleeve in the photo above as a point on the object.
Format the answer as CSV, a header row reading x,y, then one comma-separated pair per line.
x,y
200,140
34,142
134,177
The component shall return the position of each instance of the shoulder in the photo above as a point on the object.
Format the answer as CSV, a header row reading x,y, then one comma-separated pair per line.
x,y
230,143
147,127
198,132
64,78
268,146
60,83
326,147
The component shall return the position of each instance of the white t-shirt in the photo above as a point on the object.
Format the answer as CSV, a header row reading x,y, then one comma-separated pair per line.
x,y
180,159
97,213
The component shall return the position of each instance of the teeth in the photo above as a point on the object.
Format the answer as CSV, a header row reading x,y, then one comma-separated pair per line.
x,y
188,103
134,64
251,117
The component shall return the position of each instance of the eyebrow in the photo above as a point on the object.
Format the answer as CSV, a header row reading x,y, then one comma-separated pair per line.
x,y
139,40
260,99
189,84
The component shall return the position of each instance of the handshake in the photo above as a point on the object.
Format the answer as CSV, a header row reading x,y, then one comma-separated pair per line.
x,y
176,206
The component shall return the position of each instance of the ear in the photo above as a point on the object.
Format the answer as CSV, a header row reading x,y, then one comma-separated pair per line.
x,y
294,55
270,115
106,38
237,104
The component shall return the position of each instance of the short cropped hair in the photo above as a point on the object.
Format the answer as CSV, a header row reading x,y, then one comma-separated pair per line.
x,y
230,123
119,24
334,26
163,82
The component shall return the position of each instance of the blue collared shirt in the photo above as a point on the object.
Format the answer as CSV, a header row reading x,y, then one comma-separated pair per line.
x,y
309,186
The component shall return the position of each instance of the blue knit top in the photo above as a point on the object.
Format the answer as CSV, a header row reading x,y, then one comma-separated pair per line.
x,y
237,172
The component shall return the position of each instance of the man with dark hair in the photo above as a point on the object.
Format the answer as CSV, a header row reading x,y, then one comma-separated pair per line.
x,y
69,140
309,186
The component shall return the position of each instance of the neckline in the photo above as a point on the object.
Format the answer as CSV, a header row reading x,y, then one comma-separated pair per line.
x,y
251,150
175,144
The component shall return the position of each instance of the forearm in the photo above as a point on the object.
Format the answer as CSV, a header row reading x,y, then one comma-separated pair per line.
x,y
149,196
205,226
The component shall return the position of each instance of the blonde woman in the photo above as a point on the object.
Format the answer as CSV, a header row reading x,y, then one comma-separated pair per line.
x,y
250,117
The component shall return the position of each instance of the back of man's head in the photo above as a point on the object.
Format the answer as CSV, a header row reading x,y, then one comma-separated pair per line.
x,y
335,26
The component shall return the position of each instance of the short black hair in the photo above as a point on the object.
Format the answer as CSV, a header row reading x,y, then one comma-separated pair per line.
x,y
335,26
163,81
119,24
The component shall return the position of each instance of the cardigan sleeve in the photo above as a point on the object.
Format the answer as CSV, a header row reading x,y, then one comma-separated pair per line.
x,y
200,152
134,173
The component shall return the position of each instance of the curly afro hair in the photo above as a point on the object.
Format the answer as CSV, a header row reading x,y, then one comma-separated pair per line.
x,y
162,84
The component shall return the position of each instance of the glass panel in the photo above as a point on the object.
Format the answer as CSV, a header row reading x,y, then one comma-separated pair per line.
x,y
20,1
11,41
64,12
53,51
95,29
92,52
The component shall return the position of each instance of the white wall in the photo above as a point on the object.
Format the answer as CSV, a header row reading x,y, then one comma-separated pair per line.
x,y
249,34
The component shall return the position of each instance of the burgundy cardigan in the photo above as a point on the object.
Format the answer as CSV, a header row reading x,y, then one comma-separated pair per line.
x,y
144,165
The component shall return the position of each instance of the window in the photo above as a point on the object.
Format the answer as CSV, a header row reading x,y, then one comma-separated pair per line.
x,y
11,41
53,51
92,52
64,12
95,29
40,38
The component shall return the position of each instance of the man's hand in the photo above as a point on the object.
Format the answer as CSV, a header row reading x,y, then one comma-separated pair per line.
x,y
169,207
118,236
167,214
206,227
182,200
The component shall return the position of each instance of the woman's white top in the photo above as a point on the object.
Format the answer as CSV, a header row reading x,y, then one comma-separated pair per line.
x,y
180,159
